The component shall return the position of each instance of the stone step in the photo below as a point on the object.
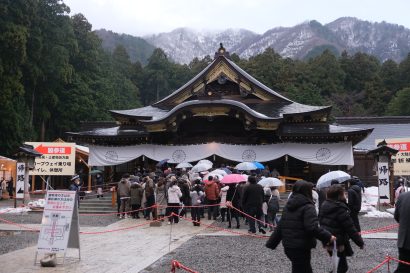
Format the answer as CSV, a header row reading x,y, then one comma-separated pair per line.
x,y
95,202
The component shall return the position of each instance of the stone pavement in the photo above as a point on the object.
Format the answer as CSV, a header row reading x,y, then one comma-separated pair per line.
x,y
123,251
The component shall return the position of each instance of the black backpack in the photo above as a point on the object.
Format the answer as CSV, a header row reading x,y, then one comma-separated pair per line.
x,y
273,204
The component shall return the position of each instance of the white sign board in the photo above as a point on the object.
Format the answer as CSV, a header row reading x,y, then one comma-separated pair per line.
x,y
20,180
384,183
59,226
401,161
58,158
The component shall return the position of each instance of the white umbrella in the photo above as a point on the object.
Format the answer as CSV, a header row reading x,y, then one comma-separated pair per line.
x,y
205,161
246,166
183,165
218,172
200,168
268,182
326,179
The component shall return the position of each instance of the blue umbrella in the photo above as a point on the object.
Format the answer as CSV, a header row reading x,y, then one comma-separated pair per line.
x,y
258,165
162,162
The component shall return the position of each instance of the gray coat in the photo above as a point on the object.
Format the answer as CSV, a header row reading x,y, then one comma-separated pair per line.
x,y
402,216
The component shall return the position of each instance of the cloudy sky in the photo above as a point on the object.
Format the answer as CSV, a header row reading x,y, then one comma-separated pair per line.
x,y
142,17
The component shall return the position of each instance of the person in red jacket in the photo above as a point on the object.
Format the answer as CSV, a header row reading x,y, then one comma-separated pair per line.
x,y
211,197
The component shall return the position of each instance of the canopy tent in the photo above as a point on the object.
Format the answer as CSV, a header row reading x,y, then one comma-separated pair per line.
x,y
324,154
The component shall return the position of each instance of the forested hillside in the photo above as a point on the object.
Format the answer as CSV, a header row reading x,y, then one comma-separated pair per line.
x,y
54,73
138,49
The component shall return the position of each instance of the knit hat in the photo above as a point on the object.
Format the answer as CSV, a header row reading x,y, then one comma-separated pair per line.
x,y
76,176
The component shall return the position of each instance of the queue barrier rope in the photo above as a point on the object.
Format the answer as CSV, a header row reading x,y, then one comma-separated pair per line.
x,y
178,265
376,230
387,260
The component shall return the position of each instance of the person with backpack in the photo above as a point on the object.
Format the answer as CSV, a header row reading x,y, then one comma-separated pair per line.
x,y
354,197
196,194
273,208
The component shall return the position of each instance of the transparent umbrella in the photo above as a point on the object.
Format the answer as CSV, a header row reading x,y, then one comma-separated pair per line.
x,y
326,179
183,165
268,182
200,168
246,166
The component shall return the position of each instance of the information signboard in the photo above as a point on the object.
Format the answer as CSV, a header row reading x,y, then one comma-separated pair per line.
x,y
384,183
401,161
59,226
58,158
20,180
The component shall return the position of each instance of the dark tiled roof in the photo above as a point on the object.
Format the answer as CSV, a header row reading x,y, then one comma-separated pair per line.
x,y
381,131
280,109
318,129
148,112
259,110
114,131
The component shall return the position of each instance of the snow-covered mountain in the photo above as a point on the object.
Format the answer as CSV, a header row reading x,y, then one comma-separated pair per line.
x,y
384,40
184,44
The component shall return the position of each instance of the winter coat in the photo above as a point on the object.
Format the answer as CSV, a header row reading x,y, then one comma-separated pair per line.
x,y
196,197
234,196
186,198
136,192
161,195
299,225
402,216
124,188
149,188
354,196
174,194
252,197
335,218
211,190
222,194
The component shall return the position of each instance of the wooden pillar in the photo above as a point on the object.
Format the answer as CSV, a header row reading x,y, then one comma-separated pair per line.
x,y
89,178
33,183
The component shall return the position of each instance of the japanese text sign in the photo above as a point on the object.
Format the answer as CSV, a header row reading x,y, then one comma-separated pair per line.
x,y
384,183
57,159
401,161
57,221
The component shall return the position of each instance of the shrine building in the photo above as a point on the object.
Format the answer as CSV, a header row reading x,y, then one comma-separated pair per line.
x,y
227,116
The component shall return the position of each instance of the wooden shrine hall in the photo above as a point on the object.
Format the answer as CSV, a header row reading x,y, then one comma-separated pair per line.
x,y
225,114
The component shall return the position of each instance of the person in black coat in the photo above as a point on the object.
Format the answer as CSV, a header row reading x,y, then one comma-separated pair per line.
x,y
402,216
252,200
354,197
335,217
299,228
233,196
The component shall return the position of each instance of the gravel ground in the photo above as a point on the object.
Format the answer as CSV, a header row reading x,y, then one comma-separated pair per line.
x,y
85,220
11,241
244,254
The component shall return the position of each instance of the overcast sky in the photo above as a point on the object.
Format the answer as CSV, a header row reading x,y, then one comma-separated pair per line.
x,y
141,17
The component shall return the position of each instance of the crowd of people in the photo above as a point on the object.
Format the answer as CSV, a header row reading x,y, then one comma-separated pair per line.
x,y
6,188
329,215
176,192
